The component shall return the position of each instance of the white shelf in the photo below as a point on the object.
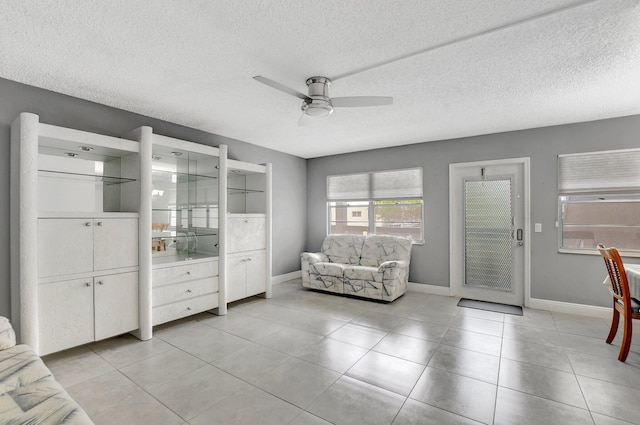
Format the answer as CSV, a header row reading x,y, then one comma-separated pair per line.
x,y
87,214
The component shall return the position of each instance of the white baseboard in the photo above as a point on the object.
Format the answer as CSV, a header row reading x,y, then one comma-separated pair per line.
x,y
429,289
540,304
276,280
571,308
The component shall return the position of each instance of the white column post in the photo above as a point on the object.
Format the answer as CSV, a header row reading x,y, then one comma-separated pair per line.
x,y
24,228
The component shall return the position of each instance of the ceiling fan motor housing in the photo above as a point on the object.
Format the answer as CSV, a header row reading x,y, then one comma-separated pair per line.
x,y
318,104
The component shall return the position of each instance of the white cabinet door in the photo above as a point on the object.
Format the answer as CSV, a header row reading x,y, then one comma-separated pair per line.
x,y
65,314
236,278
65,246
245,234
115,243
116,304
256,276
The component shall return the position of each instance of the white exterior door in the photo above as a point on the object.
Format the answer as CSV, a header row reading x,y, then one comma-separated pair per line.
x,y
489,230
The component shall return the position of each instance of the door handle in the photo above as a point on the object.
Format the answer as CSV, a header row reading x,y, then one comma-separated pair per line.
x,y
519,234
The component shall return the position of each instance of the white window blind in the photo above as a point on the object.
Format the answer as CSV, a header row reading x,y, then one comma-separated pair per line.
x,y
604,171
397,184
391,184
351,187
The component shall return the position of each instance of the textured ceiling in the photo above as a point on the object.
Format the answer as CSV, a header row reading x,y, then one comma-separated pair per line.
x,y
464,67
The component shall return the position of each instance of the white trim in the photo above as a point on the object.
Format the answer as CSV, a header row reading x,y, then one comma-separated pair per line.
x,y
571,308
429,289
454,263
599,152
233,164
276,280
170,142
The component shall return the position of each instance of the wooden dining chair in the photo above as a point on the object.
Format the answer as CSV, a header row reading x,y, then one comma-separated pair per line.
x,y
623,303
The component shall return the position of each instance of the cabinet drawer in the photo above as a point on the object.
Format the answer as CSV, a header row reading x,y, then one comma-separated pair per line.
x,y
246,234
183,290
173,311
183,273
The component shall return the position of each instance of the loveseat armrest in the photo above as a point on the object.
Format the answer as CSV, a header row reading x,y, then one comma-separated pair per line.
x,y
7,335
393,264
314,257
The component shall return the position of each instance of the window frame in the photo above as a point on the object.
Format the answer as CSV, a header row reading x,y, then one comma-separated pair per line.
x,y
371,203
620,192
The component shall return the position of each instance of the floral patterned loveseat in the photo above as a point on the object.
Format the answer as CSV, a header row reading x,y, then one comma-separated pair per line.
x,y
366,266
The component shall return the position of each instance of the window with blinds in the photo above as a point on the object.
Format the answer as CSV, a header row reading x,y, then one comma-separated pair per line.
x,y
599,201
382,202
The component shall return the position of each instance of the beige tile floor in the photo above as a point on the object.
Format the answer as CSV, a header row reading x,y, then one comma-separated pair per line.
x,y
308,358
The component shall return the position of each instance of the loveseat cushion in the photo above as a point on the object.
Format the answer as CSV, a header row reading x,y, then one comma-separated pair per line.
x,y
378,249
325,276
7,335
363,281
29,394
344,249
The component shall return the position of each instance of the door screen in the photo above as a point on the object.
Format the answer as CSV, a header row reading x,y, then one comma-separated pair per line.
x,y
488,233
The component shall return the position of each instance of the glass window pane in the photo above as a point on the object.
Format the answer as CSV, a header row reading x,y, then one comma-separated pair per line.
x,y
349,218
587,220
399,218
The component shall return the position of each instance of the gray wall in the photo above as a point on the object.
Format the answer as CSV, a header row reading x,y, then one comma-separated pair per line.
x,y
289,172
571,278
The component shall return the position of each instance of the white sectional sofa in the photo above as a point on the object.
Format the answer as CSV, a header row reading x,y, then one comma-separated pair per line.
x,y
374,266
29,394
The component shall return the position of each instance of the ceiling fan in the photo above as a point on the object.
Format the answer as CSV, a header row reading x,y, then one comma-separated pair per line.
x,y
318,103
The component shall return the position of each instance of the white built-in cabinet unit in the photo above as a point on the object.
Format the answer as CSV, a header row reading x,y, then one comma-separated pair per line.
x,y
185,228
75,222
248,230
111,235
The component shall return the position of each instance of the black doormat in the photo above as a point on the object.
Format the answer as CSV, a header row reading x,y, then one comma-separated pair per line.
x,y
485,305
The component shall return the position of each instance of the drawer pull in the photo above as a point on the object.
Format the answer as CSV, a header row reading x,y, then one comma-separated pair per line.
x,y
189,308
87,224
248,259
189,290
87,284
99,223
246,221
189,273
100,282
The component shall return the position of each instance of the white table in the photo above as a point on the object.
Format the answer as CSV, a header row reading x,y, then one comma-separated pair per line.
x,y
633,276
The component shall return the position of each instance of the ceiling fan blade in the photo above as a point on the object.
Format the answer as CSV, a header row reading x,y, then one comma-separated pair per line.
x,y
358,101
281,87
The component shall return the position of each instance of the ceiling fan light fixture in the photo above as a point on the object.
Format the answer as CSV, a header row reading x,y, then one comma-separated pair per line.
x,y
317,107
318,103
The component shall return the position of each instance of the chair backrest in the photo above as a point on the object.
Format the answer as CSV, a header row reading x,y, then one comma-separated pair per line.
x,y
617,274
